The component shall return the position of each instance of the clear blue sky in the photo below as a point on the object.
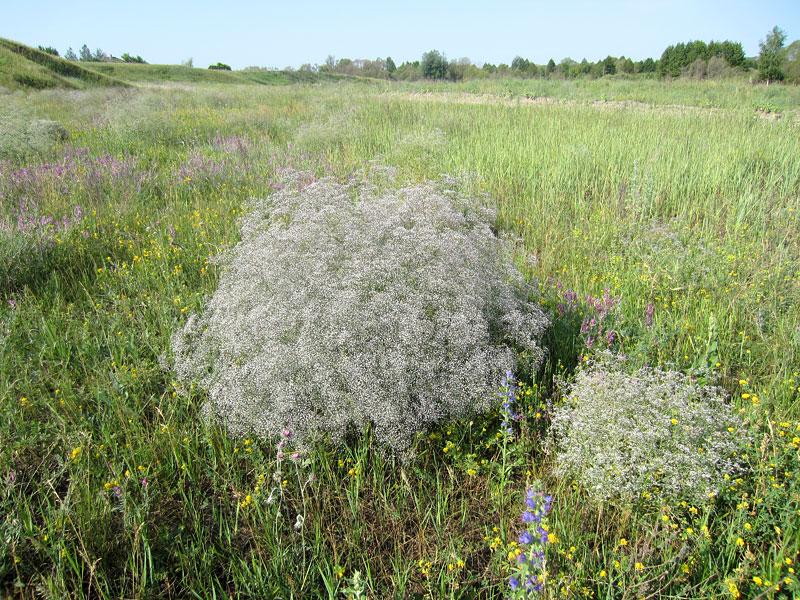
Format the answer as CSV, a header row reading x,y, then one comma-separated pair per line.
x,y
292,32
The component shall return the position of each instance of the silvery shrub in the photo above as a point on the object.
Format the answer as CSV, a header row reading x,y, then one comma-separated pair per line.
x,y
345,305
649,433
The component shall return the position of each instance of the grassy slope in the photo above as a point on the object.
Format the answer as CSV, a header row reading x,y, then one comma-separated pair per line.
x,y
694,212
179,73
17,72
24,67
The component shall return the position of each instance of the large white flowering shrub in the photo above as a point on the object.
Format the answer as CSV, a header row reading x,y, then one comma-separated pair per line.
x,y
343,306
623,435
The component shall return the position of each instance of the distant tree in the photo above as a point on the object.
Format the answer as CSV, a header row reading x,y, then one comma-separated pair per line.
x,y
585,67
132,59
771,57
551,67
99,55
189,62
732,52
374,68
70,54
85,53
568,67
609,65
49,50
677,59
390,66
329,66
694,50
793,62
648,65
219,67
434,65
457,69
522,66
673,59
624,65
408,71
344,65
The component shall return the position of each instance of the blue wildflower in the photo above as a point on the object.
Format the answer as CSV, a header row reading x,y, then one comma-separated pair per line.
x,y
530,564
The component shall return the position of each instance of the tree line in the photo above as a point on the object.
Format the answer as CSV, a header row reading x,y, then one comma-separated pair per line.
x,y
85,54
693,59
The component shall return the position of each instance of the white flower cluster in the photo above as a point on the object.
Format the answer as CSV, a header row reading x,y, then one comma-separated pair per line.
x,y
344,305
650,433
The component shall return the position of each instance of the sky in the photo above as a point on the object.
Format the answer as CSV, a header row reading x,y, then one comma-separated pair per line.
x,y
290,33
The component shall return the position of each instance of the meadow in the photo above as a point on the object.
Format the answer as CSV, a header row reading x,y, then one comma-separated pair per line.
x,y
676,202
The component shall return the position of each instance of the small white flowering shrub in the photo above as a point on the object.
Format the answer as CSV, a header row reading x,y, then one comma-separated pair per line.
x,y
652,432
343,306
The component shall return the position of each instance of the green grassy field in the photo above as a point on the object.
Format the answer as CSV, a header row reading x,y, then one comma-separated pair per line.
x,y
116,486
735,93
136,73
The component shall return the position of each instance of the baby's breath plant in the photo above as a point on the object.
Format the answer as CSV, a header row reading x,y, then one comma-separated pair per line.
x,y
344,306
22,134
650,433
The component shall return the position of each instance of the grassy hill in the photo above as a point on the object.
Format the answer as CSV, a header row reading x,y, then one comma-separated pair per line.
x,y
23,67
134,73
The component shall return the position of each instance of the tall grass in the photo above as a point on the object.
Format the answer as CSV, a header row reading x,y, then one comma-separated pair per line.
x,y
735,93
115,486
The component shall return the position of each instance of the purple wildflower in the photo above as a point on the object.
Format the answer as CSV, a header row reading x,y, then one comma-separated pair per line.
x,y
529,517
530,564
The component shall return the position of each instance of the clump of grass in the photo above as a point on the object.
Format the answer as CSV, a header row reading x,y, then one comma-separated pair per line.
x,y
345,306
21,135
650,433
